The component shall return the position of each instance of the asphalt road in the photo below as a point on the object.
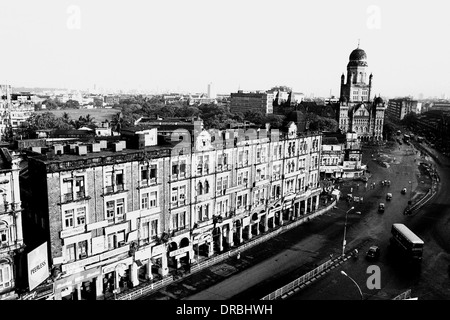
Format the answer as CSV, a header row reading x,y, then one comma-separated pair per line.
x,y
431,223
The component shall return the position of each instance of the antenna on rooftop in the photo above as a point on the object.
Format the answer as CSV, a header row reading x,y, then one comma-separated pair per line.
x,y
358,43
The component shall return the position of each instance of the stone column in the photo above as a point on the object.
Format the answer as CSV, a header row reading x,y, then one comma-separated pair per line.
x,y
177,259
99,287
191,254
18,222
149,274
210,249
78,289
281,216
116,280
250,235
317,202
240,234
134,274
230,235
164,270
220,240
266,222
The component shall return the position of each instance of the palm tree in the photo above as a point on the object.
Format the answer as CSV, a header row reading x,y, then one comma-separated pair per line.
x,y
116,122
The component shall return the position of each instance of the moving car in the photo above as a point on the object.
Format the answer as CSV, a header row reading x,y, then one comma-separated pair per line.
x,y
373,253
388,196
381,207
404,191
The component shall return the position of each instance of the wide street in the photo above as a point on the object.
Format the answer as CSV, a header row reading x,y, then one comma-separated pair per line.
x,y
284,258
431,223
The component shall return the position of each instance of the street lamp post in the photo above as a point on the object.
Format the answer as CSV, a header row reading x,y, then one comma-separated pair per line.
x,y
359,289
410,189
345,230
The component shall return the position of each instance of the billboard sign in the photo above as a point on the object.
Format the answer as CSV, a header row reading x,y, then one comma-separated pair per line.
x,y
38,266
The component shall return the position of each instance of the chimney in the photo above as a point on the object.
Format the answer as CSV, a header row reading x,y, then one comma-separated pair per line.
x,y
117,146
103,144
94,147
81,150
58,149
70,148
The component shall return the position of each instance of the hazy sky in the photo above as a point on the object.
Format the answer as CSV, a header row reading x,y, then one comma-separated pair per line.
x,y
249,44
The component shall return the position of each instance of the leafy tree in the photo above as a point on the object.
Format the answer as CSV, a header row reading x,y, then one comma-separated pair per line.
x,y
98,102
84,121
117,122
71,104
410,120
276,121
257,117
46,120
389,129
323,124
51,104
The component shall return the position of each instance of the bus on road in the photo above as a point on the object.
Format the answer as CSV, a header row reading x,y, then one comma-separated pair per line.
x,y
407,242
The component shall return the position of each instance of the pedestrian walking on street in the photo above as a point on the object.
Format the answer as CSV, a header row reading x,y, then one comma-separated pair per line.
x,y
238,255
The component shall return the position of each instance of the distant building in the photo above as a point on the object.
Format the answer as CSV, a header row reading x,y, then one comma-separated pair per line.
x,y
22,106
252,101
198,99
211,91
5,105
341,156
441,106
398,108
111,100
357,112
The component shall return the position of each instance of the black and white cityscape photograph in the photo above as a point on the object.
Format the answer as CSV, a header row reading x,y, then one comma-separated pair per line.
x,y
239,153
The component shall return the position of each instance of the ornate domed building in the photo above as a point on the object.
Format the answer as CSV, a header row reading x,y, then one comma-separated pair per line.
x,y
357,112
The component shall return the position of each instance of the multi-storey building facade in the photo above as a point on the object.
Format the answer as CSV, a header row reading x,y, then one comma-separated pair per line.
x,y
357,112
5,104
114,218
398,108
252,101
11,239
341,156
332,157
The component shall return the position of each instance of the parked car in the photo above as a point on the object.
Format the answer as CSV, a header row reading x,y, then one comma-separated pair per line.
x,y
373,253
381,207
388,196
404,191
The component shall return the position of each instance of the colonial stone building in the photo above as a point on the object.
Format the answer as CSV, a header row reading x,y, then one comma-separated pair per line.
x,y
357,111
122,213
11,239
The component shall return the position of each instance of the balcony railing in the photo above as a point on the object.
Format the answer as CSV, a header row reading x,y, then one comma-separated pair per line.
x,y
67,197
80,194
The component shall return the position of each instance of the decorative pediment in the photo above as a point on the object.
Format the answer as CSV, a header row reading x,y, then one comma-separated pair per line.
x,y
203,141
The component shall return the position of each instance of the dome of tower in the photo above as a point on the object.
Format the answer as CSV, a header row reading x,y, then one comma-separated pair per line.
x,y
357,58
358,55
